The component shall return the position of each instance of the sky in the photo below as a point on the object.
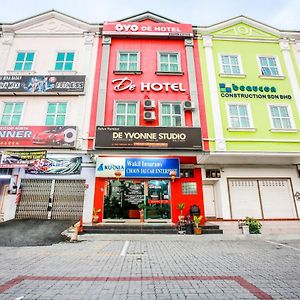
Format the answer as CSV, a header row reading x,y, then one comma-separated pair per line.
x,y
281,14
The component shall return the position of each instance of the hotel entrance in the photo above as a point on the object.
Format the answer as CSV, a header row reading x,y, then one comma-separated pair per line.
x,y
124,196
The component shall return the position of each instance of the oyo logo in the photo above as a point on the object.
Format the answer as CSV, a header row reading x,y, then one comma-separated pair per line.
x,y
126,27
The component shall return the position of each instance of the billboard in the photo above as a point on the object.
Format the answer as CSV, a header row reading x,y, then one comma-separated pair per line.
x,y
140,137
38,136
137,167
41,84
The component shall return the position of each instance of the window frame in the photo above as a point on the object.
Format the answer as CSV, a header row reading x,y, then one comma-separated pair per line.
x,y
182,115
26,52
66,113
240,65
278,66
273,128
74,60
249,115
137,114
179,71
21,114
138,53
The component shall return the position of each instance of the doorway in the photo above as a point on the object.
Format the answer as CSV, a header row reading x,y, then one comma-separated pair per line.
x,y
209,201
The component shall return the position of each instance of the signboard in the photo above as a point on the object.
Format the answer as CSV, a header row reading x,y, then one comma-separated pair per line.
x,y
38,136
20,159
150,29
41,84
132,167
134,192
149,137
65,166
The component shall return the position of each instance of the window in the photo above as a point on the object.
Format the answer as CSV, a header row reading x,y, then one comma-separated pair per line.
x,y
280,117
64,61
189,188
56,114
12,113
238,115
268,66
24,61
169,62
171,115
126,114
230,64
128,61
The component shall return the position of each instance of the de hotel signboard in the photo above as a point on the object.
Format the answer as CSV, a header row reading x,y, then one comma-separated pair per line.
x,y
143,137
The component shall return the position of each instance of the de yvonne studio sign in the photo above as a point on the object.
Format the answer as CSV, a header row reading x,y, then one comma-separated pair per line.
x,y
132,167
189,138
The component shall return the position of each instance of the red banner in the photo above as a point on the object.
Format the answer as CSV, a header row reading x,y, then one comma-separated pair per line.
x,y
38,136
158,201
152,29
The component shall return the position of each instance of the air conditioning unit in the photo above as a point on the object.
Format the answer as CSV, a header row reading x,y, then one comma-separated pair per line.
x,y
149,104
149,115
188,105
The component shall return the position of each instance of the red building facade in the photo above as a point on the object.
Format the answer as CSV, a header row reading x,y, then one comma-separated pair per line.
x,y
149,119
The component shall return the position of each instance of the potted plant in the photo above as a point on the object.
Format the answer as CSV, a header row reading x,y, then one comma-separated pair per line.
x,y
141,208
197,220
254,225
181,206
96,216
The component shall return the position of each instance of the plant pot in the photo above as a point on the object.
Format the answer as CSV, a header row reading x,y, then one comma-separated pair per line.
x,y
245,229
197,230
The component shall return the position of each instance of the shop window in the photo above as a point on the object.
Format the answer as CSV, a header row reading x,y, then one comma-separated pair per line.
x,y
24,61
281,117
126,113
64,61
12,113
169,62
238,116
269,66
186,173
128,61
189,188
56,114
171,115
230,64
213,173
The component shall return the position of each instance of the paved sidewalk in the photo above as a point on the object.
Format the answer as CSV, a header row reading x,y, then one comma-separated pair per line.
x,y
152,267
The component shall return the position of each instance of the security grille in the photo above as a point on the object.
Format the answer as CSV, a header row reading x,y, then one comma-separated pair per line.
x,y
65,196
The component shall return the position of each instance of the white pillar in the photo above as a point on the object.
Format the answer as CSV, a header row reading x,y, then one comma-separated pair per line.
x,y
212,83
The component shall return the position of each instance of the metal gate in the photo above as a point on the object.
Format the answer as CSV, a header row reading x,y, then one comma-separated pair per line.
x,y
51,199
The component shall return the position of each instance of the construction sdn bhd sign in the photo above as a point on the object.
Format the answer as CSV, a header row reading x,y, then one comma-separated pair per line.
x,y
152,29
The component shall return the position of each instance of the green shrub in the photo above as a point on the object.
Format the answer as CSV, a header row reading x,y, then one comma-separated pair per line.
x,y
254,225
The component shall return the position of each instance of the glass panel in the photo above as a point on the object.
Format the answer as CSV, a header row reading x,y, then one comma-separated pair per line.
x,y
51,108
132,67
234,60
62,108
131,108
272,62
59,66
283,111
120,120
266,71
235,122
226,69
275,111
243,110
166,109
277,123
225,60
166,121
60,120
174,68
8,108
21,56
70,56
274,71
123,66
173,58
286,123
49,120
18,66
5,120
123,57
15,120
176,109
163,58
121,108
132,57
164,67
27,66
18,107
235,70
131,121
245,122
263,61
30,56
233,110
68,66
60,56
189,188
176,121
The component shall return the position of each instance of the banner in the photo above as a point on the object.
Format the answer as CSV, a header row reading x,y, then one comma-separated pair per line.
x,y
20,159
137,167
189,138
41,84
38,136
66,166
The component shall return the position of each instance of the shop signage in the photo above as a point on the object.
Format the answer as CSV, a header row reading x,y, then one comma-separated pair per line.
x,y
158,201
122,84
149,137
20,159
132,167
38,136
251,91
63,166
42,84
152,29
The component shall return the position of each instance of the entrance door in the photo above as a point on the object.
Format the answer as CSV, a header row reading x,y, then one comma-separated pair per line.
x,y
209,201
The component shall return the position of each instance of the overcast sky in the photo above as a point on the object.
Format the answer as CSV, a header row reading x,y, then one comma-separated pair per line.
x,y
282,14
